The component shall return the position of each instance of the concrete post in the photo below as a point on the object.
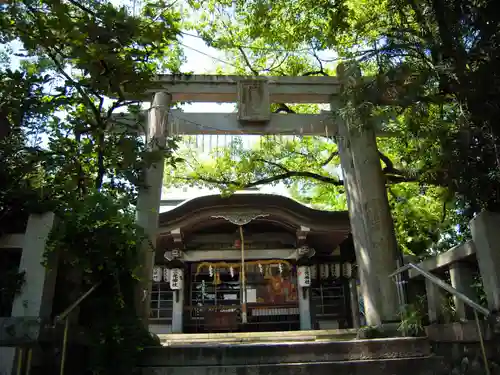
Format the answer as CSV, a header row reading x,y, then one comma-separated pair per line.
x,y
37,295
435,302
462,279
304,295
353,296
486,236
148,201
371,222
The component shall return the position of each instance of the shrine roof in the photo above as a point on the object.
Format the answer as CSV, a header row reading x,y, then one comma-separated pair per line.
x,y
203,209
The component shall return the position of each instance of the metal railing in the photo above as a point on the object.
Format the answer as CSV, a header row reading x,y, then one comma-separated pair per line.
x,y
460,296
64,316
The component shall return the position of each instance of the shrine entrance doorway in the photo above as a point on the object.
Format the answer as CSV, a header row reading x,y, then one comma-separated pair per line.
x,y
288,267
215,294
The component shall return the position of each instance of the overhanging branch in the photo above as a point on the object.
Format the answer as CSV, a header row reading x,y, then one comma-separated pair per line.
x,y
277,165
284,108
393,179
389,166
268,180
329,158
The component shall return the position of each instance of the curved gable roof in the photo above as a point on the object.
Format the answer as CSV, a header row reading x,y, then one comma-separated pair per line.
x,y
205,207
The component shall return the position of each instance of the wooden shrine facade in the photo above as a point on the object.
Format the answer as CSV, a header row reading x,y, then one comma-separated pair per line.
x,y
252,262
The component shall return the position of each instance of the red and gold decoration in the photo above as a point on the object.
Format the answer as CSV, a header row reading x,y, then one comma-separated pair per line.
x,y
211,266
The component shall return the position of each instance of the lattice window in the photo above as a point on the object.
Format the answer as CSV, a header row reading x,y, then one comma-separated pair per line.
x,y
161,303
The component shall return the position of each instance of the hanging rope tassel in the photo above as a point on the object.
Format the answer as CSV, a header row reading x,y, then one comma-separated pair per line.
x,y
243,281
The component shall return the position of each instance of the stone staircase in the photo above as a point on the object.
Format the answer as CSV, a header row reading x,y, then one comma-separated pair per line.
x,y
257,337
333,352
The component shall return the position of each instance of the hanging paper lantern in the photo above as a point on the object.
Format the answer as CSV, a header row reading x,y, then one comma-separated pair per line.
x,y
157,274
338,269
333,272
261,269
314,272
176,279
231,272
323,271
237,243
166,274
211,271
304,276
280,267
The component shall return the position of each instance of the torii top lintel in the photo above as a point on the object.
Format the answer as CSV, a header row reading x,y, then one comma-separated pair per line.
x,y
224,89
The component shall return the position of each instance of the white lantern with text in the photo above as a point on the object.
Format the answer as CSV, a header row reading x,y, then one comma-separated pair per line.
x,y
166,275
304,276
176,279
157,274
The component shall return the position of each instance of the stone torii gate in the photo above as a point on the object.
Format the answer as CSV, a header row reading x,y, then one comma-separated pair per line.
x,y
371,222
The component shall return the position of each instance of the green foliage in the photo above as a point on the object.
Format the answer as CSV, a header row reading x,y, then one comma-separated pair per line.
x,y
99,236
432,64
310,168
84,226
412,318
479,290
81,63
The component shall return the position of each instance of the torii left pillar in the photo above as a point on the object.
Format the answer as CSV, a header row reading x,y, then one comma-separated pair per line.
x,y
148,201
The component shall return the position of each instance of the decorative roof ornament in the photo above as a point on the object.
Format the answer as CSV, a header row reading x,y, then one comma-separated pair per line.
x,y
242,218
305,251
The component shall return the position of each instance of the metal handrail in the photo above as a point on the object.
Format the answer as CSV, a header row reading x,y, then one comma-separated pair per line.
x,y
462,297
61,317
64,316
75,304
437,281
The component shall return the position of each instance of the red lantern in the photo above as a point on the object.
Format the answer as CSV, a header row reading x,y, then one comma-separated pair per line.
x,y
237,243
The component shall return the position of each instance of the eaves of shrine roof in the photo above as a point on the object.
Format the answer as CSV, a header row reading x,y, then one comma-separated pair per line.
x,y
204,208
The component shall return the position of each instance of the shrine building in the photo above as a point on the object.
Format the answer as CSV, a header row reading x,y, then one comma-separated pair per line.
x,y
252,262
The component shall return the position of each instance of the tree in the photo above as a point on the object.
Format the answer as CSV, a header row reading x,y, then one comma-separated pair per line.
x,y
434,62
404,45
80,61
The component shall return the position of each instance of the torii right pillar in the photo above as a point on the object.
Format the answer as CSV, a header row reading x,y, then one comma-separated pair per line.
x,y
372,227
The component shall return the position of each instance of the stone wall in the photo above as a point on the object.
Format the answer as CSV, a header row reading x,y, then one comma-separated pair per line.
x,y
465,358
459,344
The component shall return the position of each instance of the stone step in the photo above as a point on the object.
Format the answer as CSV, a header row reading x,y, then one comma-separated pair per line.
x,y
428,365
244,337
229,354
